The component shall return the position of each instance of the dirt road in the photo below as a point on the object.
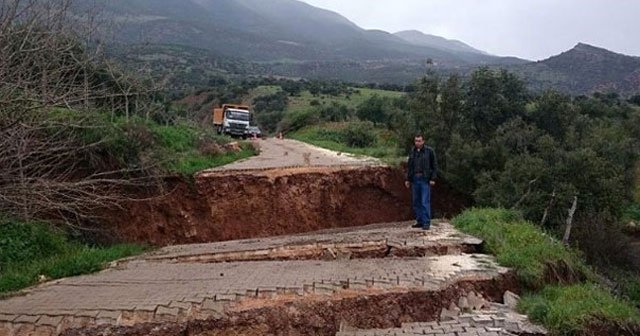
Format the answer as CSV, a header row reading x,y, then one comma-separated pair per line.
x,y
276,153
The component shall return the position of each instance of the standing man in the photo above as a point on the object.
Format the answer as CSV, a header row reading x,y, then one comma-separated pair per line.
x,y
422,171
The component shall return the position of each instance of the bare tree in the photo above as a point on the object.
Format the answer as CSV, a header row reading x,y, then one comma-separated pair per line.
x,y
545,215
51,83
572,211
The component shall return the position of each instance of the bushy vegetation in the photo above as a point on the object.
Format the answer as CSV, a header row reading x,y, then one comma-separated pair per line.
x,y
508,148
79,137
360,135
34,251
381,143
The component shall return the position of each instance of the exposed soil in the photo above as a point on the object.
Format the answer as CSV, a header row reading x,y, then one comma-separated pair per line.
x,y
320,315
237,205
368,250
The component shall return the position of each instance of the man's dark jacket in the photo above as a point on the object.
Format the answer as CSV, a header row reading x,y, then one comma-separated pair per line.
x,y
427,162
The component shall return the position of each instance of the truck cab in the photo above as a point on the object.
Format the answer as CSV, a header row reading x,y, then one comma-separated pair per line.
x,y
232,119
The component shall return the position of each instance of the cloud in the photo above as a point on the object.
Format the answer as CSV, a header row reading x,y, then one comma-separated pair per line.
x,y
532,29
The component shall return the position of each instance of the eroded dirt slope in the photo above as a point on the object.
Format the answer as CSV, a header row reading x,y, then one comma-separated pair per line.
x,y
224,206
278,192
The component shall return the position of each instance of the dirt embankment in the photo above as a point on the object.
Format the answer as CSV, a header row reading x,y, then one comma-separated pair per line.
x,y
251,204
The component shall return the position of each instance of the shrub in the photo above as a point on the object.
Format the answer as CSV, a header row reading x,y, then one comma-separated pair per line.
x,y
360,135
328,134
297,119
335,112
269,121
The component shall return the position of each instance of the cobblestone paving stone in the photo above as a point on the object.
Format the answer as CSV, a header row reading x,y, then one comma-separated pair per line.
x,y
181,283
142,290
276,153
442,236
498,320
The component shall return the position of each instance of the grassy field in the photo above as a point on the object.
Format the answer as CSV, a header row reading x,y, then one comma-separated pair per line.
x,y
564,310
305,98
33,251
264,90
331,136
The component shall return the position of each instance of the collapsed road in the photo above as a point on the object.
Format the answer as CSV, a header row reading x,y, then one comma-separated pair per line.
x,y
237,263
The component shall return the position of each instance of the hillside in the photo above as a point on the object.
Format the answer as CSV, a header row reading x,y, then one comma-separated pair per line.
x,y
428,40
189,41
585,69
270,31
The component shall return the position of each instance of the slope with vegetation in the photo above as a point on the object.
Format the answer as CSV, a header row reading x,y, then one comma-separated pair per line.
x,y
282,30
585,69
79,136
563,292
507,147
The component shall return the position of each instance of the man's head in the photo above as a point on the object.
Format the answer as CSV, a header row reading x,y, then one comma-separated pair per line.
x,y
418,140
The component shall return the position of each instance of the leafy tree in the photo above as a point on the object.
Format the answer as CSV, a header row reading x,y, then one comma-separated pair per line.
x,y
335,112
554,113
270,103
492,99
635,100
268,121
360,134
373,109
293,88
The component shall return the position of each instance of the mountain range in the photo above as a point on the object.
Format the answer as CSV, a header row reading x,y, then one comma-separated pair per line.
x,y
585,69
273,30
292,38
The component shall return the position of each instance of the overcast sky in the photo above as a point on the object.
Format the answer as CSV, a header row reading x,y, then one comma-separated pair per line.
x,y
532,29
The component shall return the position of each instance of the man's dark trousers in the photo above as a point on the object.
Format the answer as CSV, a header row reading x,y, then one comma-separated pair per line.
x,y
421,191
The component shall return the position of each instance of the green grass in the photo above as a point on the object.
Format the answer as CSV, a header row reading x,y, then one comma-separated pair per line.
x,y
173,148
194,162
264,90
31,250
329,136
564,310
569,310
178,149
518,244
303,100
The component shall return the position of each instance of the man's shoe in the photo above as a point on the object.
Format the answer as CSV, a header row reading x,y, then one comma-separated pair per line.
x,y
426,228
417,226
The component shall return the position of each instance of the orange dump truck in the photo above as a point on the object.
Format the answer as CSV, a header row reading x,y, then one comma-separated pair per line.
x,y
232,119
